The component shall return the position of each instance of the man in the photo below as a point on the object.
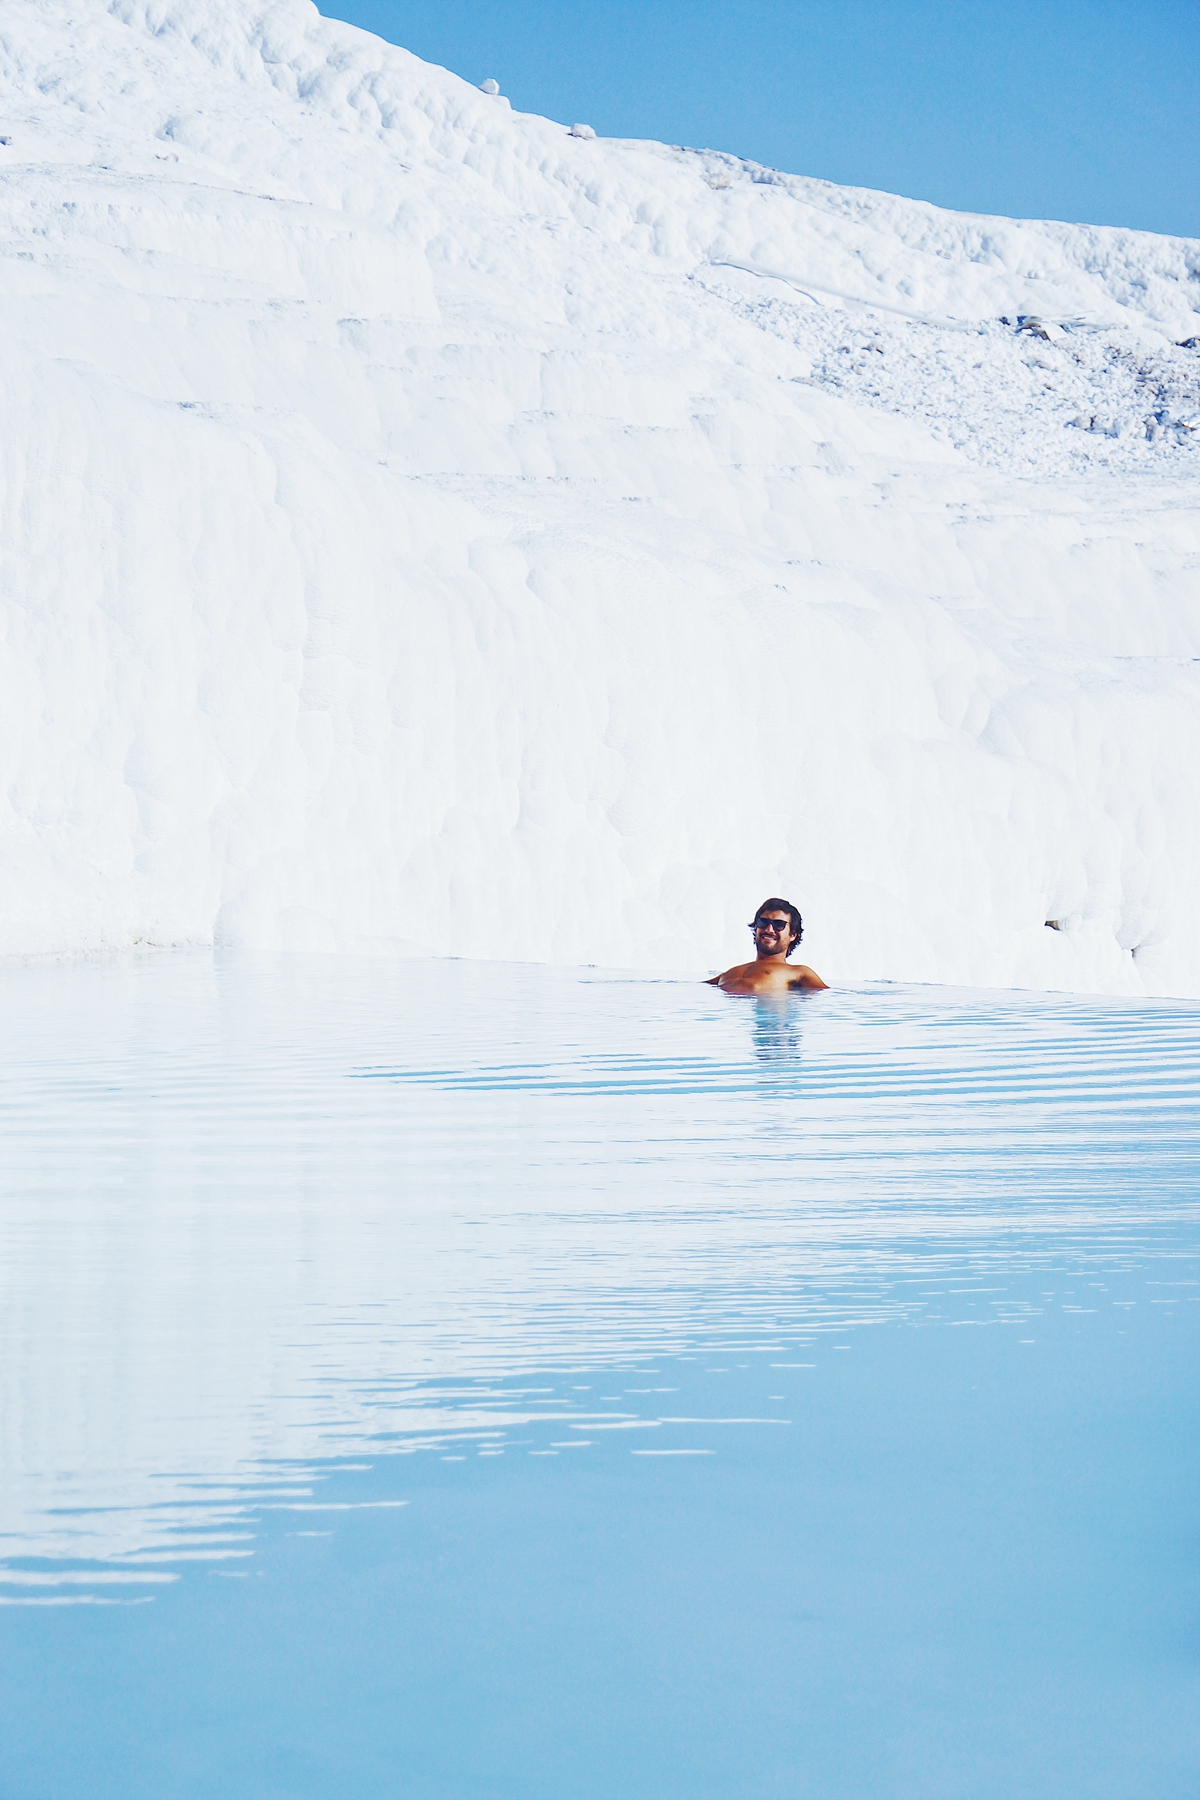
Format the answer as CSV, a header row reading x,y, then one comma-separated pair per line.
x,y
777,930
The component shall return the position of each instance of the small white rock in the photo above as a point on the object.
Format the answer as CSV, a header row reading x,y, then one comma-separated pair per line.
x,y
1029,325
490,86
582,131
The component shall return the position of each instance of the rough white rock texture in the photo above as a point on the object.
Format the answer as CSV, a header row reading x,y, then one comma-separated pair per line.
x,y
423,527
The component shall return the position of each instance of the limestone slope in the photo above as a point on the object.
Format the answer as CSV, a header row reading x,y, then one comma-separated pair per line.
x,y
412,514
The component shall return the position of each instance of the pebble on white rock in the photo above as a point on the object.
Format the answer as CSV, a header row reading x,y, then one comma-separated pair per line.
x,y
490,86
404,518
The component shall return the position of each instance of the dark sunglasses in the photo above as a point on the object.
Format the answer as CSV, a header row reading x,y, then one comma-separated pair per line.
x,y
771,925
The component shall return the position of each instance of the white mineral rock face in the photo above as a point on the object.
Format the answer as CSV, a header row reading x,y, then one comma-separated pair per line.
x,y
410,510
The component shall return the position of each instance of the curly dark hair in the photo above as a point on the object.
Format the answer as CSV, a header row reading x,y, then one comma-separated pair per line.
x,y
778,905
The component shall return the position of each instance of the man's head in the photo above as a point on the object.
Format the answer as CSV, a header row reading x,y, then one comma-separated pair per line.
x,y
777,926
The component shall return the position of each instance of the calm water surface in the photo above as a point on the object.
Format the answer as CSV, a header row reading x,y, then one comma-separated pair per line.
x,y
474,1382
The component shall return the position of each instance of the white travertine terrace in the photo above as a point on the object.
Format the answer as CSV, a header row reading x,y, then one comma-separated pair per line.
x,y
408,507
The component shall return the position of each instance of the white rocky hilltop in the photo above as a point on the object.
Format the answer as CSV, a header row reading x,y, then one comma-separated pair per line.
x,y
429,527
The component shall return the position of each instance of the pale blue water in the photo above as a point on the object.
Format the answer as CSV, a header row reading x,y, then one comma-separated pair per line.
x,y
462,1380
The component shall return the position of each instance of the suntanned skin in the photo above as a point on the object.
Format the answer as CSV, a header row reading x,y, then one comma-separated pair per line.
x,y
770,972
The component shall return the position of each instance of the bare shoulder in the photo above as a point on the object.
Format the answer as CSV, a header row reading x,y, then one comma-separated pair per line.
x,y
737,973
804,977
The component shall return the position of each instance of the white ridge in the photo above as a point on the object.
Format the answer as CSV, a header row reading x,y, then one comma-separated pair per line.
x,y
408,512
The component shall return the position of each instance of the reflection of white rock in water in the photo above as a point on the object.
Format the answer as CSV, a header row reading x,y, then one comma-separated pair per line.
x,y
245,1209
404,513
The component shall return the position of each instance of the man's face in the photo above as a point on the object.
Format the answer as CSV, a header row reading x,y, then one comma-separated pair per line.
x,y
772,933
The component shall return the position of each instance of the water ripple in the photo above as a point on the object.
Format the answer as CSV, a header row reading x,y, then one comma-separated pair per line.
x,y
260,1214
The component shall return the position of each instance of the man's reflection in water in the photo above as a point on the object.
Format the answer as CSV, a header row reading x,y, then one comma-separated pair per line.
x,y
776,1029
